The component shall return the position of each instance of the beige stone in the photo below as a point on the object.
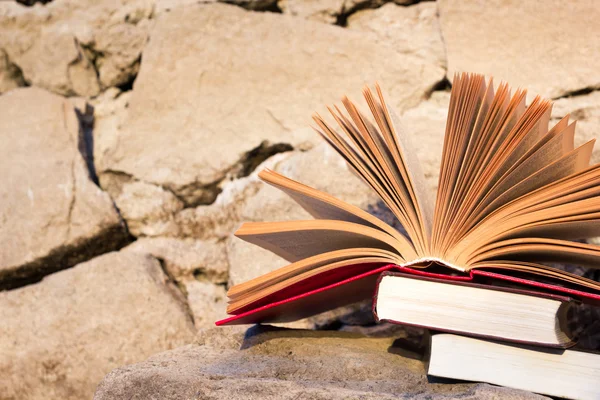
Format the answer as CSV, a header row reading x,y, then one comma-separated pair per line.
x,y
289,364
76,47
327,11
219,84
186,258
10,75
425,125
207,302
148,209
60,336
118,50
552,49
585,109
413,30
53,215
109,112
330,11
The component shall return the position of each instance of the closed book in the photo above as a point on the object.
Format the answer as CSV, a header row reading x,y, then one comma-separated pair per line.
x,y
562,373
486,311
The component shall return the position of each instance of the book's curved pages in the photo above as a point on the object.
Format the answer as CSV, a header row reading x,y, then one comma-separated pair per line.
x,y
512,195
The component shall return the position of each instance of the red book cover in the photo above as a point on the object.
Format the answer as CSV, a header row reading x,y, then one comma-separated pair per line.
x,y
351,284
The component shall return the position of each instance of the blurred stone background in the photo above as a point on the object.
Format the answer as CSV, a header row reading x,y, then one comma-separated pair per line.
x,y
132,133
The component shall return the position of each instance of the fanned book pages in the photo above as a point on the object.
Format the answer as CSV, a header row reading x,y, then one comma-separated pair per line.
x,y
512,196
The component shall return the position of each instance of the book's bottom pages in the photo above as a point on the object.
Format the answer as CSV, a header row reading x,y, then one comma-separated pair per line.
x,y
348,285
556,372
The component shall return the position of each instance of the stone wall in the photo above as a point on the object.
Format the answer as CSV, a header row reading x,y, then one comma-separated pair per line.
x,y
133,132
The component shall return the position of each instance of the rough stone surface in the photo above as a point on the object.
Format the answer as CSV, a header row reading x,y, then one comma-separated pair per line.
x,y
109,112
52,214
584,109
413,30
60,336
148,209
552,50
330,11
186,97
207,301
94,44
187,258
289,364
10,75
327,11
199,268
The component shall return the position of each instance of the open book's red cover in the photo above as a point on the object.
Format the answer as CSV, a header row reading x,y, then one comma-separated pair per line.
x,y
351,284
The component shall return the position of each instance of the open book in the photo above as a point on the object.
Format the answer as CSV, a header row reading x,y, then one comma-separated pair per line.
x,y
512,195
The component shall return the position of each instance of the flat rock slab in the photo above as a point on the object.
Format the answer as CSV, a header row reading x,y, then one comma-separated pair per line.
x,y
59,337
552,48
268,363
219,84
53,216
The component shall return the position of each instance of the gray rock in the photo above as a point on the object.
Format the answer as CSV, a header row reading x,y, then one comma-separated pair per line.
x,y
207,106
53,216
552,50
60,336
288,364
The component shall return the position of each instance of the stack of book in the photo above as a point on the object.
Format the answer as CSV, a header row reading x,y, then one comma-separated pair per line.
x,y
505,336
512,195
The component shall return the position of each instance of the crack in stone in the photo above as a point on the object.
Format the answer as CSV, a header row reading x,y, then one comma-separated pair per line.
x,y
578,92
113,238
176,289
444,85
195,194
68,255
73,200
13,70
72,177
342,17
258,6
30,3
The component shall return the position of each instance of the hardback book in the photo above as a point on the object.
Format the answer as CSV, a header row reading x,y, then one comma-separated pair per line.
x,y
555,372
491,312
513,195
